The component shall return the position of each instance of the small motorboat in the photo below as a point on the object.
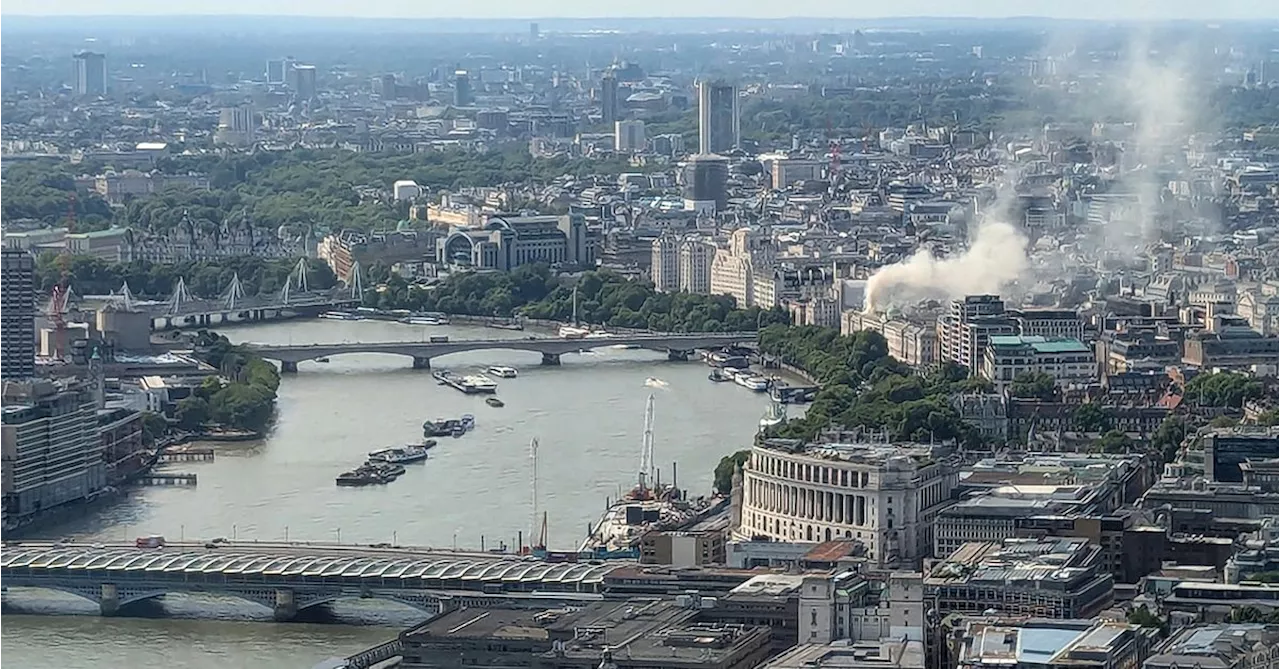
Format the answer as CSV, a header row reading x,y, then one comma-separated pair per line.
x,y
494,402
322,360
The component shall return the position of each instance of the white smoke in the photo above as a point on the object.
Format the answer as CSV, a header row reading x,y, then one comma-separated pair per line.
x,y
996,257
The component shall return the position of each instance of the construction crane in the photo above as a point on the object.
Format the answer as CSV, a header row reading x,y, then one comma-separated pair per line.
x,y
62,292
538,535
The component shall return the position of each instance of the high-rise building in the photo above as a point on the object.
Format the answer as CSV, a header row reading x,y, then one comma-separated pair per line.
x,y
387,87
90,73
17,314
51,452
718,130
664,269
533,32
628,136
304,81
236,126
462,95
276,71
695,265
705,183
608,98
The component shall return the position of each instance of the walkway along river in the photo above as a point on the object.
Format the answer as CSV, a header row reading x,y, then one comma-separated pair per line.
x,y
588,415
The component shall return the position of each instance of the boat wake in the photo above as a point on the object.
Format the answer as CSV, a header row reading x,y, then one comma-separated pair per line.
x,y
652,382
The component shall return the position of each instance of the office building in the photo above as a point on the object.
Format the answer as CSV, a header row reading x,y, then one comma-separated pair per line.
x,y
387,87
696,255
608,99
462,95
304,81
1068,361
664,269
533,32
984,643
52,454
706,180
1045,578
628,136
968,326
631,634
507,242
884,497
1224,646
1048,323
276,70
787,171
90,74
718,130
843,654
17,314
236,126
1228,450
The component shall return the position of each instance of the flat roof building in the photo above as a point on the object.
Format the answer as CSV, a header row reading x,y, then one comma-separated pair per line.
x,y
1047,578
642,632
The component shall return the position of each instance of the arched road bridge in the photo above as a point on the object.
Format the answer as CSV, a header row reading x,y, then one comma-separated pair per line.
x,y
677,347
287,580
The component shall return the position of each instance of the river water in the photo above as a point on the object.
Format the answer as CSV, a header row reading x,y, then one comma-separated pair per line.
x,y
588,415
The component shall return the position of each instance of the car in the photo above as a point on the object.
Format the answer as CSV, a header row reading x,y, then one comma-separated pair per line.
x,y
211,544
380,545
99,546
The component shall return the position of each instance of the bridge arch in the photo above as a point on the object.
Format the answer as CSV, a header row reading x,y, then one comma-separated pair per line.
x,y
418,601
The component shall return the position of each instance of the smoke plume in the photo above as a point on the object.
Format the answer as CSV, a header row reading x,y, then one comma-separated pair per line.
x,y
996,257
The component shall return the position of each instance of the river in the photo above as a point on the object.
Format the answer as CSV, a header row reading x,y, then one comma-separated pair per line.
x,y
588,415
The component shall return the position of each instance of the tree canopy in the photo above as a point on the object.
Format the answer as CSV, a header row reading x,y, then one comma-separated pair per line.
x,y
604,298
862,386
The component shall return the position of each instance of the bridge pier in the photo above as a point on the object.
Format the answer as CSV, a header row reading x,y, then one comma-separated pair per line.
x,y
551,359
288,367
108,600
286,607
421,363
676,355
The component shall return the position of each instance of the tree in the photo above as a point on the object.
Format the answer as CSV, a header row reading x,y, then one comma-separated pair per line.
x,y
1033,385
1168,437
1249,614
1270,417
1114,441
1223,389
725,470
1143,617
153,426
192,413
1090,417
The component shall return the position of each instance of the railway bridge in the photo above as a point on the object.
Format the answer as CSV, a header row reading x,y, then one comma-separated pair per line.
x,y
288,580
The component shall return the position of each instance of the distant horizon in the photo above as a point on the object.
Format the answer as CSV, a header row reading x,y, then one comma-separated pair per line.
x,y
660,10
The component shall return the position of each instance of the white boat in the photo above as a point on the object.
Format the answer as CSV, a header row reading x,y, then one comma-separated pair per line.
x,y
598,334
480,383
422,320
573,332
503,372
341,316
751,381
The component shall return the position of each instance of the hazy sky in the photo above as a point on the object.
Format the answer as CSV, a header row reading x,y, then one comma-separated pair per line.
x,y
1067,9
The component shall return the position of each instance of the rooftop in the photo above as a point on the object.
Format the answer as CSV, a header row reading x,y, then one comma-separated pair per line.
x,y
1040,344
1041,642
1050,562
885,653
1213,646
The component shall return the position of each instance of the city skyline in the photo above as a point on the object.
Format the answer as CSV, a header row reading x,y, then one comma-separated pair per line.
x,y
580,9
